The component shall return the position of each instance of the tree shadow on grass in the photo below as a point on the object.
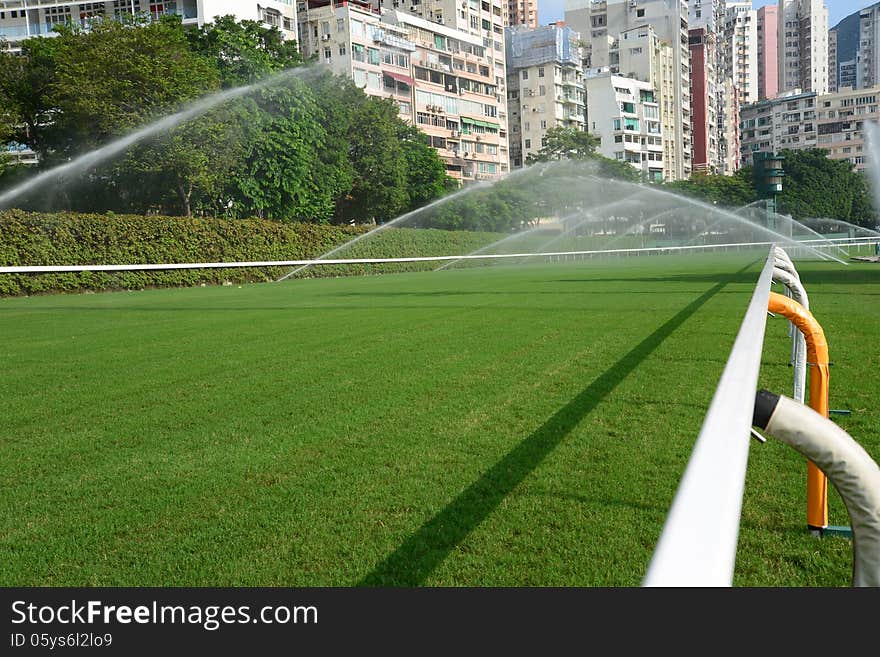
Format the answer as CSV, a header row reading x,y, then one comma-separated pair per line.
x,y
418,556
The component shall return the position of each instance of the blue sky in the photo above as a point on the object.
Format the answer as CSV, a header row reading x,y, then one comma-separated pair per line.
x,y
553,10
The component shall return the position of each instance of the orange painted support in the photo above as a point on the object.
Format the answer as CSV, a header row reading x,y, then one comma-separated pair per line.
x,y
817,362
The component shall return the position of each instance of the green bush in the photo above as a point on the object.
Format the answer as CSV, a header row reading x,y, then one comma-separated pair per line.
x,y
30,239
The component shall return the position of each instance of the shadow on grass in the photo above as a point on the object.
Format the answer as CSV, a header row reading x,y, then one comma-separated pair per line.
x,y
847,276
412,562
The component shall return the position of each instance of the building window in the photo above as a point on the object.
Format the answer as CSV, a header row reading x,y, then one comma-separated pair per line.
x,y
525,74
327,53
540,71
527,143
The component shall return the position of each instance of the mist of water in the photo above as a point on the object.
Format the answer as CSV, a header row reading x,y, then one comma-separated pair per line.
x,y
161,126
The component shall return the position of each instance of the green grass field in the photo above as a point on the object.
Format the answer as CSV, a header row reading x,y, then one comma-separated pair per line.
x,y
499,426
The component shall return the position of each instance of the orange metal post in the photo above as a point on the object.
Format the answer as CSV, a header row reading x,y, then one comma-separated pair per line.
x,y
817,361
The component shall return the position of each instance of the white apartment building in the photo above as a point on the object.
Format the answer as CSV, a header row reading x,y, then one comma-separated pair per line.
x,y
602,25
832,61
708,14
353,41
441,78
741,49
625,115
22,19
787,121
868,57
484,19
841,119
545,86
803,45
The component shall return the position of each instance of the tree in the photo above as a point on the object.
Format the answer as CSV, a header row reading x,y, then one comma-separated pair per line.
x,y
378,192
566,143
244,51
426,177
816,186
26,83
133,72
577,145
729,191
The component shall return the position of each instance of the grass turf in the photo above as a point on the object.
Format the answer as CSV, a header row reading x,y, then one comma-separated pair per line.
x,y
502,426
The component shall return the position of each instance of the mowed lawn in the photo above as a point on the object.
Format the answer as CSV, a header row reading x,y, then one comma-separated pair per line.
x,y
502,426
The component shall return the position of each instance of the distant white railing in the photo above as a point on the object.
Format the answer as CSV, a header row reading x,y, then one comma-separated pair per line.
x,y
698,544
810,245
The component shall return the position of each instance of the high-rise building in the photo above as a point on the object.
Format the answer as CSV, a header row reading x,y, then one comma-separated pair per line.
x,y
787,121
706,13
545,86
841,119
441,78
833,68
703,100
868,58
846,44
484,20
802,28
625,115
741,49
21,19
768,53
522,12
662,28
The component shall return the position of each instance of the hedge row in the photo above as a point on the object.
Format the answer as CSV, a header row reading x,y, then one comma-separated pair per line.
x,y
81,239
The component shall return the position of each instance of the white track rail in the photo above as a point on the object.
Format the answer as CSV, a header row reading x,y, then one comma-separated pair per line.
x,y
811,245
698,544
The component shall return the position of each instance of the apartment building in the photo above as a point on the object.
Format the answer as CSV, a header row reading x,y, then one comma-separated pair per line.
x,y
440,77
787,121
22,19
353,41
768,51
833,69
802,37
703,101
708,14
664,59
545,86
624,114
483,19
868,56
741,49
841,119
522,12
846,46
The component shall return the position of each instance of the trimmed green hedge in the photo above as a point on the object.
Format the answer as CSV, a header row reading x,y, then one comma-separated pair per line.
x,y
82,239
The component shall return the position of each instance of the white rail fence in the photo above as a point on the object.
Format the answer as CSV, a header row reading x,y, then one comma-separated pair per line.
x,y
697,546
808,246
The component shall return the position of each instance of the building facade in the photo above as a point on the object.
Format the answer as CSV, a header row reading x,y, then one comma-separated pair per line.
x,y
768,52
625,115
868,56
22,19
841,119
522,12
545,86
613,31
441,78
787,121
741,49
802,29
703,101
